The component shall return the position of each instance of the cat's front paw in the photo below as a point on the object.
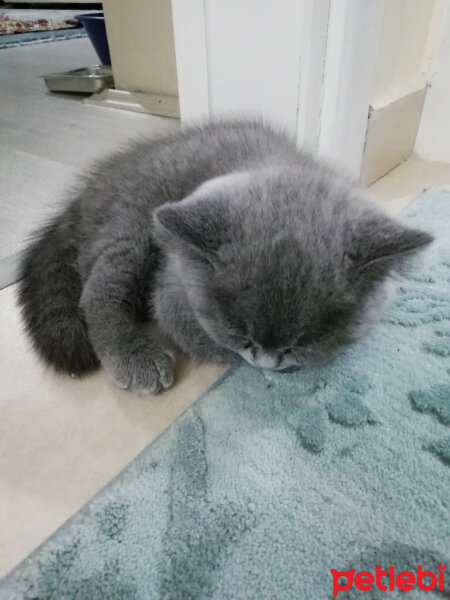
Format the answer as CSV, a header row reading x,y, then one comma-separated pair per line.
x,y
146,369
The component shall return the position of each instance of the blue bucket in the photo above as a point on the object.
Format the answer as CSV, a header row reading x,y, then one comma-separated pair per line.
x,y
94,23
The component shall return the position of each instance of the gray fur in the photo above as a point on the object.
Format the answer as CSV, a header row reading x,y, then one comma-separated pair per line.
x,y
231,238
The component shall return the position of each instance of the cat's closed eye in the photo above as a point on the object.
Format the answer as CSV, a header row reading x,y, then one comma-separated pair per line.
x,y
243,342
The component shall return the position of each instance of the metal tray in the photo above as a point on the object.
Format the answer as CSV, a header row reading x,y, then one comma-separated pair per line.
x,y
87,80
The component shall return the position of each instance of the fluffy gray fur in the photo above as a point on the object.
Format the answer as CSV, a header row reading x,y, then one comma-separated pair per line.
x,y
237,243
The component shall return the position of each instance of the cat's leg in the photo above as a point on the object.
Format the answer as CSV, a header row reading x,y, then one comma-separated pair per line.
x,y
110,299
177,320
190,338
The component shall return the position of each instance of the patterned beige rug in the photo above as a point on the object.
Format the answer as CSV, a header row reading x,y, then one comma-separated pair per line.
x,y
24,20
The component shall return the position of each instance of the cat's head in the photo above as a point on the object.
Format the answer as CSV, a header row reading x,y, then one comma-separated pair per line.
x,y
284,268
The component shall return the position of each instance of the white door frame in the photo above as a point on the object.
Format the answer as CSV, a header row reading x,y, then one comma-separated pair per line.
x,y
314,34
189,26
353,35
307,65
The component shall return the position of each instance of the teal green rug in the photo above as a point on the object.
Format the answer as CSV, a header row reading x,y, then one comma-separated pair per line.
x,y
270,481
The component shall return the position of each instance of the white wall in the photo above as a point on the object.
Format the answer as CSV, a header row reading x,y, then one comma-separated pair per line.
x,y
409,32
433,139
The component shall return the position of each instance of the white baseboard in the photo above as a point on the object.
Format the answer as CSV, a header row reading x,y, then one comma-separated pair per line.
x,y
391,135
143,102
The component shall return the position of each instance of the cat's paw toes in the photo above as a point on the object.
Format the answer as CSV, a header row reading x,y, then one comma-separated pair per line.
x,y
143,371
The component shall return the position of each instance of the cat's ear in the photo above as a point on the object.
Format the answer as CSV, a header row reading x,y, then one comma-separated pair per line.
x,y
379,242
199,223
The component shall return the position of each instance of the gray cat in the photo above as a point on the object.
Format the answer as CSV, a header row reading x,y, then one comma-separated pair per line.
x,y
236,242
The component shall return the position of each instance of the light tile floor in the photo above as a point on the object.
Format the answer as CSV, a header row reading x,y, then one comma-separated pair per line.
x,y
46,139
62,440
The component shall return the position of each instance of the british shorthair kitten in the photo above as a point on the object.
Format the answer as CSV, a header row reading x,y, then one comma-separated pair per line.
x,y
235,241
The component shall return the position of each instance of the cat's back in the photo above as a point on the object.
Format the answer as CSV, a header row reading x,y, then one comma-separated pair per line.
x,y
125,187
172,166
229,144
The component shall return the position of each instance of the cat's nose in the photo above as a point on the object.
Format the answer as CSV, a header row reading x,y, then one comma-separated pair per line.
x,y
266,361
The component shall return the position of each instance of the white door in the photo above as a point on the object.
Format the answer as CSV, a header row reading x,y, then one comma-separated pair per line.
x,y
306,65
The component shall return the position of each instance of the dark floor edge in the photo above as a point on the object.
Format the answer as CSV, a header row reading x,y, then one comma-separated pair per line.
x,y
9,269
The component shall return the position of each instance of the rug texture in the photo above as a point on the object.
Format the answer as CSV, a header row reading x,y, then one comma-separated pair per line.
x,y
19,27
23,21
272,480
